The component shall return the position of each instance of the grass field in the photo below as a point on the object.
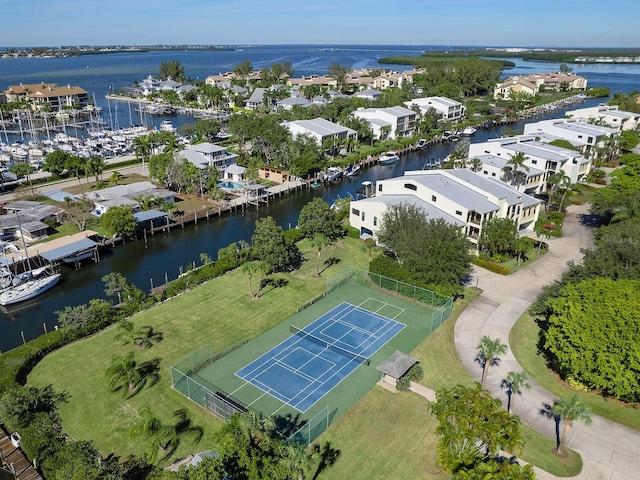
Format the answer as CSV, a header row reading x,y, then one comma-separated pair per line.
x,y
524,337
219,312
384,435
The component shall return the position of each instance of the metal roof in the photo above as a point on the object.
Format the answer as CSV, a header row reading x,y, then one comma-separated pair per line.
x,y
69,250
430,210
148,215
500,163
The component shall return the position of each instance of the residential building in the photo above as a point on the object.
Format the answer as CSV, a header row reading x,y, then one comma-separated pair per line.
x,y
126,195
511,85
31,222
449,110
609,115
579,133
529,181
256,100
49,96
389,122
319,129
368,94
534,82
541,158
206,154
459,197
296,101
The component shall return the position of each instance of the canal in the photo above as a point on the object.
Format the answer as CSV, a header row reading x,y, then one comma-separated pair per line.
x,y
163,256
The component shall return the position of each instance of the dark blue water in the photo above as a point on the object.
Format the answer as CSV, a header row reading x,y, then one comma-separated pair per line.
x,y
164,255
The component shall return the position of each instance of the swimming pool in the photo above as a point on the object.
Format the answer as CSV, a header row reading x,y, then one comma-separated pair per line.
x,y
231,185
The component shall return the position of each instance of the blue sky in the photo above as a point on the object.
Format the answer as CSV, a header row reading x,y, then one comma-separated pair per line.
x,y
562,23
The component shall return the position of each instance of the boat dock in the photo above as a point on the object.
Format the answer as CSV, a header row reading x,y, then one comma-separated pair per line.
x,y
13,460
67,249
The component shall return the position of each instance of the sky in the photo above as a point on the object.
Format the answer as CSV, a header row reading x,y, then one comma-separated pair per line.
x,y
544,23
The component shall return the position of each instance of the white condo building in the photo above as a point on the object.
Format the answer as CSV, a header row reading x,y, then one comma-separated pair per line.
x,y
319,129
542,159
389,122
459,197
449,110
609,115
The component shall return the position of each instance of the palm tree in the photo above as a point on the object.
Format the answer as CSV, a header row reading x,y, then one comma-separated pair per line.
x,y
570,410
95,166
540,231
142,147
256,426
124,373
318,241
488,351
475,164
152,428
115,178
513,383
516,166
251,268
522,246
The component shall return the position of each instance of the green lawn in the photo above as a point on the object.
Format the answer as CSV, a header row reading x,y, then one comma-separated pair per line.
x,y
219,312
384,435
524,337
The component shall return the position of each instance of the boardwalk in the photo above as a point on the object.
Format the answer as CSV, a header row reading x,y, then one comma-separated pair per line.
x,y
14,458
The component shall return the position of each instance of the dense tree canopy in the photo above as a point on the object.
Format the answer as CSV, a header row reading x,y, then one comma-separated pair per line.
x,y
316,217
119,220
473,427
498,237
271,246
593,335
434,252
172,69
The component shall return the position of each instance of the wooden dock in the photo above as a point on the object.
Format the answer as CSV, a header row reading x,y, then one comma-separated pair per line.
x,y
14,459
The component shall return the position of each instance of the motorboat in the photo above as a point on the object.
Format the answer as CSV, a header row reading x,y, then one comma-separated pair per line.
x,y
352,170
421,144
450,136
468,131
333,174
388,158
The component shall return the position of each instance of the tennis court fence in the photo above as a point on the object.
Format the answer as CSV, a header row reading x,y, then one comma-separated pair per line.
x,y
185,379
440,305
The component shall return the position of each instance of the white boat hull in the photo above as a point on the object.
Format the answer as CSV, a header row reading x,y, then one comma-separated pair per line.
x,y
29,289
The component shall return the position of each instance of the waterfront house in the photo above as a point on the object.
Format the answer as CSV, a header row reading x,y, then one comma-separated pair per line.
x,y
504,90
389,122
529,181
275,175
234,173
449,110
207,154
535,82
459,197
32,218
48,96
127,195
609,115
256,100
320,130
539,157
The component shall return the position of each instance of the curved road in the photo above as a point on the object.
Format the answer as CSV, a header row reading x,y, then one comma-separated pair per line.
x,y
609,451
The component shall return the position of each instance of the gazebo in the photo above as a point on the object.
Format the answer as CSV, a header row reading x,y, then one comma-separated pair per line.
x,y
395,366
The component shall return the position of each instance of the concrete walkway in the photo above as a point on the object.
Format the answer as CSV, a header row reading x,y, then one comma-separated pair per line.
x,y
609,451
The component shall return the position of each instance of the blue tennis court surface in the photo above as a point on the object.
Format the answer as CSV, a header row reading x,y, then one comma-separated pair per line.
x,y
307,365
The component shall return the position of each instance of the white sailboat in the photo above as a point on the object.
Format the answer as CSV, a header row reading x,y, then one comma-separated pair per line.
x,y
28,285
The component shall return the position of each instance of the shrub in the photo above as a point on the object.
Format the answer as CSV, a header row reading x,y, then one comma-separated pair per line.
x,y
577,385
403,384
293,235
415,373
353,232
491,266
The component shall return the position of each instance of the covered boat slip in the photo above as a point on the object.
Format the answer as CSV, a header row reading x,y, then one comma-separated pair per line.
x,y
68,249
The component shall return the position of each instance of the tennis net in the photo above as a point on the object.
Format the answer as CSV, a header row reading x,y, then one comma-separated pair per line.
x,y
332,346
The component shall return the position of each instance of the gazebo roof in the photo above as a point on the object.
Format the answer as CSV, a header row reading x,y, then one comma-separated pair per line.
x,y
397,364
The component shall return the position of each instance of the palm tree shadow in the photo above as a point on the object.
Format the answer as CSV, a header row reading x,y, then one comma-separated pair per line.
x,y
547,412
330,262
149,375
327,455
510,392
287,425
270,284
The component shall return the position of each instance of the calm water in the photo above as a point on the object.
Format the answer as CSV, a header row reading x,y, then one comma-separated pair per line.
x,y
164,255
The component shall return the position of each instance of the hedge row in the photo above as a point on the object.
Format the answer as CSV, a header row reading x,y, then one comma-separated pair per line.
x,y
491,266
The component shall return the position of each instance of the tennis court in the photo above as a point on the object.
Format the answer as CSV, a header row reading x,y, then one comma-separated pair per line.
x,y
310,363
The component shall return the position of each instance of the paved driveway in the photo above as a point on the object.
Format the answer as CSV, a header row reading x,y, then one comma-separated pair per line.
x,y
609,451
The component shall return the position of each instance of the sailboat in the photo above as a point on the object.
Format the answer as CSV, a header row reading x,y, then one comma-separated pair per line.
x,y
27,285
